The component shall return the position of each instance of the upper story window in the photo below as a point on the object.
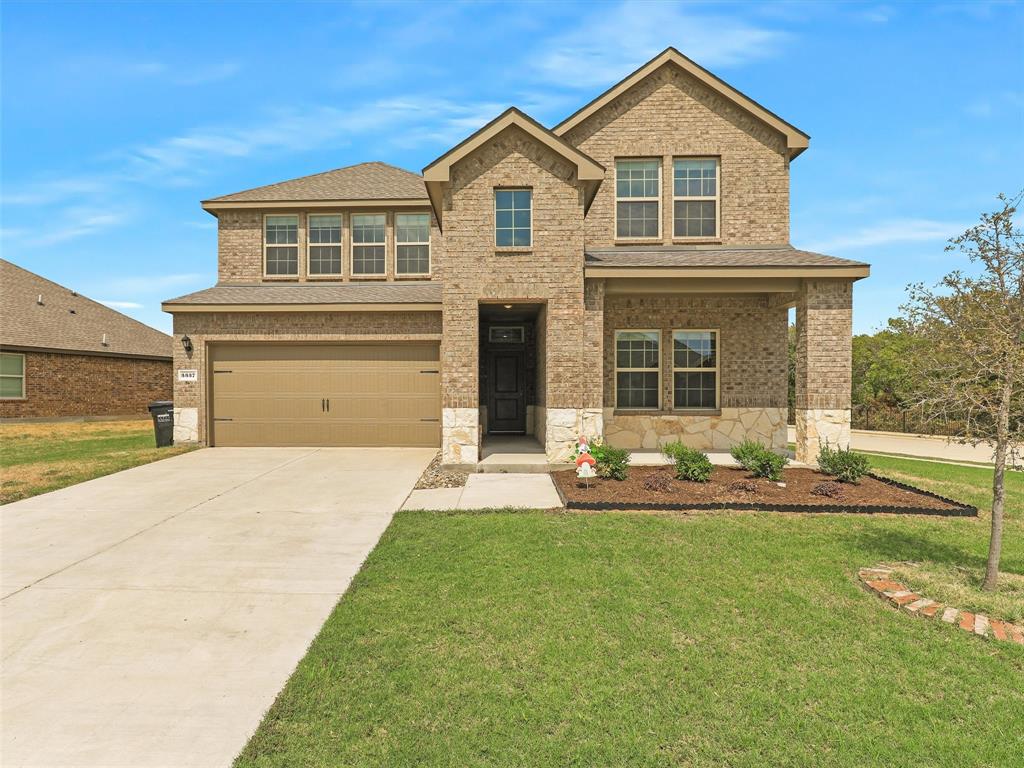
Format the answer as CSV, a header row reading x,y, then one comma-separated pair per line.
x,y
412,243
695,197
368,237
513,218
12,375
637,199
324,244
281,245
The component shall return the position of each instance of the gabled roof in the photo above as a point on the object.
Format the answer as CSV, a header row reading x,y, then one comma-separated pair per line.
x,y
68,322
796,140
365,183
588,171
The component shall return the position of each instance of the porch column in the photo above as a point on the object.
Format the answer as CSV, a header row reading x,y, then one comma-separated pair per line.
x,y
460,387
824,328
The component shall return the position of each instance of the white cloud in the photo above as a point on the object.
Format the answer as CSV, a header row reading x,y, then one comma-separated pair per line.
x,y
879,14
889,233
613,41
121,304
76,222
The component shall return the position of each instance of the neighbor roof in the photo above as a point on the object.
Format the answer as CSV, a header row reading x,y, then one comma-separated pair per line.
x,y
796,140
318,294
68,322
725,258
363,182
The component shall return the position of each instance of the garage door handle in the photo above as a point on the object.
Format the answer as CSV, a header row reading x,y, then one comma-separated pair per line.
x,y
430,371
328,405
222,418
429,419
323,405
216,371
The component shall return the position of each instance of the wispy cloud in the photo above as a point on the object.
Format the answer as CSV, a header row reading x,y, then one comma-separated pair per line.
x,y
121,304
114,68
878,14
76,222
890,232
992,105
586,58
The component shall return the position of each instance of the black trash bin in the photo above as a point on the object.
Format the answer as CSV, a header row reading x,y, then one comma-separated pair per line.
x,y
163,422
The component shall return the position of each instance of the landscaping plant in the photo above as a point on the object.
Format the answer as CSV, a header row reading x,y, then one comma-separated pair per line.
x,y
746,451
844,465
758,460
691,464
612,463
659,482
829,489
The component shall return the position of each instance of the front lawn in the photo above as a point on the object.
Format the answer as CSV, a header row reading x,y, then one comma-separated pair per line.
x,y
741,639
36,458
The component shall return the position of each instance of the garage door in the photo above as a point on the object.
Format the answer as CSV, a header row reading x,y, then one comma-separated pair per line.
x,y
326,395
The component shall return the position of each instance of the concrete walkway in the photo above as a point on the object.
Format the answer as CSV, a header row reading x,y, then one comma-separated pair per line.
x,y
921,446
150,617
490,491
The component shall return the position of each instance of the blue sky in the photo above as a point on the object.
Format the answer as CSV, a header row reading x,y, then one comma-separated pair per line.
x,y
118,118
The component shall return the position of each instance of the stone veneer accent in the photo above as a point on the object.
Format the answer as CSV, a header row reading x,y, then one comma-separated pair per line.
x,y
186,425
564,426
707,433
460,435
820,426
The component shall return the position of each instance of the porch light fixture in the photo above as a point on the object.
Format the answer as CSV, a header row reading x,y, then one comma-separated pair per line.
x,y
507,306
186,344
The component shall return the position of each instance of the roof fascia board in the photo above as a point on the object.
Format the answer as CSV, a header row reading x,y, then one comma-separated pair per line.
x,y
173,308
84,352
796,140
729,272
213,205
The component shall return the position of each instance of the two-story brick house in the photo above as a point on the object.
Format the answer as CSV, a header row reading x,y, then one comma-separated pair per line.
x,y
627,273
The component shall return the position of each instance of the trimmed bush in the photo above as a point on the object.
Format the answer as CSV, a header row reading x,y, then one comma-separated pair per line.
x,y
691,464
746,451
844,465
758,460
612,462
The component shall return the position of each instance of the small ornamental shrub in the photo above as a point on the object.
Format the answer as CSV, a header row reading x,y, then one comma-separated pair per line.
x,y
746,451
758,460
844,465
743,486
658,482
829,489
691,464
612,462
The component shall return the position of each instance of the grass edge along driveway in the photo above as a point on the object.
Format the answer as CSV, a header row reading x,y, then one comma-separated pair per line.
x,y
740,639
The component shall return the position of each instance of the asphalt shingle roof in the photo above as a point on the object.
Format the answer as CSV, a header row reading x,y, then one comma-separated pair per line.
x,y
365,181
713,256
421,292
67,321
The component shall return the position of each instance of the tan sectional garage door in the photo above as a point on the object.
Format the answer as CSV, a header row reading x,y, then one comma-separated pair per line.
x,y
326,394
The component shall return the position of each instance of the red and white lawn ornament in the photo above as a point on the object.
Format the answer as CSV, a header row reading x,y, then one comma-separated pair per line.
x,y
585,463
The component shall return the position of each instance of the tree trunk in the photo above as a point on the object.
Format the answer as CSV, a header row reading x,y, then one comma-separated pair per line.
x,y
995,543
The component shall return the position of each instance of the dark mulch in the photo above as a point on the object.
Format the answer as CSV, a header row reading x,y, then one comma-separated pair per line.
x,y
734,486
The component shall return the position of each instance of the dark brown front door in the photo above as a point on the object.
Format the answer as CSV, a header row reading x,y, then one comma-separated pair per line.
x,y
507,410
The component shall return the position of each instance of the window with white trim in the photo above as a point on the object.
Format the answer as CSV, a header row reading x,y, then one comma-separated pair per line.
x,y
368,248
12,375
412,243
324,243
695,197
637,199
513,218
638,369
281,245
695,369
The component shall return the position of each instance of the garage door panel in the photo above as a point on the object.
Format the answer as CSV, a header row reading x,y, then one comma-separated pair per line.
x,y
274,394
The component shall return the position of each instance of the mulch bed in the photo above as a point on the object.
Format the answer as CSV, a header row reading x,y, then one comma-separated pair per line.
x,y
734,488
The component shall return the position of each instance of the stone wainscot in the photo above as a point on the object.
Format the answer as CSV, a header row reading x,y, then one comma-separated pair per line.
x,y
713,432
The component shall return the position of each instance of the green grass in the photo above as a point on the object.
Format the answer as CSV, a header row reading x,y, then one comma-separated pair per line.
x,y
533,639
36,458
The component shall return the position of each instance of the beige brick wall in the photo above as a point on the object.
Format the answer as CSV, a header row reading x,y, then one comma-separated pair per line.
x,y
204,328
752,342
240,246
671,114
824,325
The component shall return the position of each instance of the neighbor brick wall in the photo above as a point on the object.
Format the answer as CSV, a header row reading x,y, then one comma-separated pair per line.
x,y
824,327
206,327
240,245
752,342
672,114
551,271
59,385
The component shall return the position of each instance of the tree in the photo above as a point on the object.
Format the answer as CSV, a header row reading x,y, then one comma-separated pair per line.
x,y
969,357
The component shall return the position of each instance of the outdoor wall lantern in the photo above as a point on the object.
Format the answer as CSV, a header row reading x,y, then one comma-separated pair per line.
x,y
186,343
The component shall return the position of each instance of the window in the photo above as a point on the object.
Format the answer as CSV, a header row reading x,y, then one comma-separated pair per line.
x,y
695,197
513,218
368,243
637,369
637,198
506,334
412,238
281,243
695,369
12,375
324,244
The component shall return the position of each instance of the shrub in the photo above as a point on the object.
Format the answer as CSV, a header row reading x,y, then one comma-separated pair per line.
x,y
758,460
658,482
828,488
746,451
743,486
843,464
691,464
611,462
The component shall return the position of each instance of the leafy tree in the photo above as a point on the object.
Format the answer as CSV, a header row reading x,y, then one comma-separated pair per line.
x,y
882,368
968,349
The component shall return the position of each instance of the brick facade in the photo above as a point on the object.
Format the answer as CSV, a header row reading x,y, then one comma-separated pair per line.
x,y
63,385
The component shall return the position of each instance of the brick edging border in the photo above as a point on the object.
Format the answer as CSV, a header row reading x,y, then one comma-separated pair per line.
x,y
879,581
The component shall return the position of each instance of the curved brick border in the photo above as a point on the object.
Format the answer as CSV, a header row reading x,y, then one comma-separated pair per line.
x,y
879,581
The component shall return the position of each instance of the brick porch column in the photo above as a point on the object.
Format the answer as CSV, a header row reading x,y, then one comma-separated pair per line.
x,y
824,327
460,386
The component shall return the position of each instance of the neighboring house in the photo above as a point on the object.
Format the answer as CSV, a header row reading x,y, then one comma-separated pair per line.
x,y
65,356
627,273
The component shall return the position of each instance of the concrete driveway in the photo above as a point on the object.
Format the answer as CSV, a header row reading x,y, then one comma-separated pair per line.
x,y
149,618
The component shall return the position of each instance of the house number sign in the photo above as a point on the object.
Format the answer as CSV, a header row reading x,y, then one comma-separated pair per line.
x,y
188,374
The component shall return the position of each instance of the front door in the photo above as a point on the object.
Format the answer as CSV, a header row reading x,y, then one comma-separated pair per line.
x,y
506,411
